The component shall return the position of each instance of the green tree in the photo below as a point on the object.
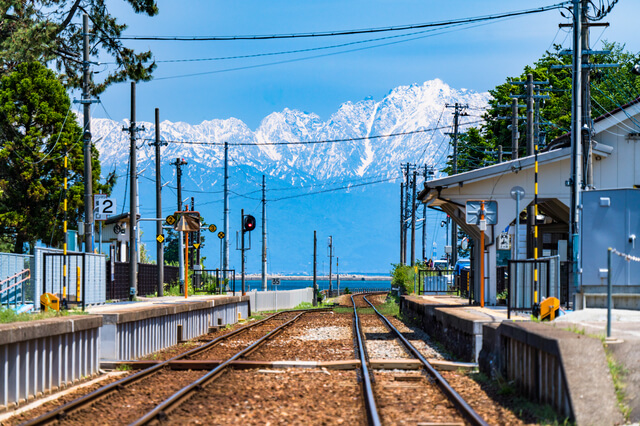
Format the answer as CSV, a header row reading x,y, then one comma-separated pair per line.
x,y
610,88
37,127
50,32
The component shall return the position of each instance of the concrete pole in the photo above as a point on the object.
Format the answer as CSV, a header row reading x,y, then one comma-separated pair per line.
x,y
178,165
88,174
264,234
401,223
515,135
413,220
330,262
159,245
576,143
315,269
133,193
225,258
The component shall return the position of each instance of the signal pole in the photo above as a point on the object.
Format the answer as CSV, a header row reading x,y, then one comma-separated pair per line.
x,y
264,234
179,163
330,261
242,249
315,270
406,214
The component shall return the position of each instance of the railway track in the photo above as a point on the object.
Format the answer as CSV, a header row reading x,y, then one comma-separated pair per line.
x,y
100,406
342,366
376,385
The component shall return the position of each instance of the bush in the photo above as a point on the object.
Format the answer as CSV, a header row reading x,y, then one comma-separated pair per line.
x,y
402,276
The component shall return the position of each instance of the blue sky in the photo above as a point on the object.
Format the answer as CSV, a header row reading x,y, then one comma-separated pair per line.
x,y
477,58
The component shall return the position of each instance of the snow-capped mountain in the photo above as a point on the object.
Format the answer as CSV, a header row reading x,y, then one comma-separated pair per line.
x,y
360,151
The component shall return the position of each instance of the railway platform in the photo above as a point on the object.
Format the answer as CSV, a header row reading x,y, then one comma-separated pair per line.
x,y
563,363
131,330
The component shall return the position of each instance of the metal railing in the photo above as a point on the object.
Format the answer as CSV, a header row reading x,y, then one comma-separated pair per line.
x,y
522,290
12,289
214,281
437,281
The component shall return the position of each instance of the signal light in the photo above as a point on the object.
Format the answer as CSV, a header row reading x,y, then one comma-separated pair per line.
x,y
248,223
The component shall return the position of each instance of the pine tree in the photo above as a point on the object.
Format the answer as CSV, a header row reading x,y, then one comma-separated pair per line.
x,y
37,127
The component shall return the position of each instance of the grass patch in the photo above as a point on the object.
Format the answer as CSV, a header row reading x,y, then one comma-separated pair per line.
x,y
9,316
618,373
124,367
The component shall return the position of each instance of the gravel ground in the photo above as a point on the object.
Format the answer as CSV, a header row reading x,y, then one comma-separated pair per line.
x,y
485,401
131,403
409,398
420,340
68,397
321,336
380,342
270,397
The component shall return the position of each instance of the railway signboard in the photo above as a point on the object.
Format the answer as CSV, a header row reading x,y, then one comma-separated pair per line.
x,y
212,228
103,207
171,219
221,235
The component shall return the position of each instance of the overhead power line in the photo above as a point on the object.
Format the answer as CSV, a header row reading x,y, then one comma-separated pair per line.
x,y
391,135
350,32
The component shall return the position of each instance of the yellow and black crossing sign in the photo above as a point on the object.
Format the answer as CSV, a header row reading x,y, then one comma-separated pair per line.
x,y
160,237
171,219
212,228
221,235
196,245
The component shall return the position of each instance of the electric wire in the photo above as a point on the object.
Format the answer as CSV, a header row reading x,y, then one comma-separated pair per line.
x,y
350,32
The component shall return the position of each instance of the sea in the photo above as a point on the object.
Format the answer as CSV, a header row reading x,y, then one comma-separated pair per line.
x,y
322,284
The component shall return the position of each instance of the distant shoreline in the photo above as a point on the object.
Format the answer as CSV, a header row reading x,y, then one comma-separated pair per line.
x,y
346,277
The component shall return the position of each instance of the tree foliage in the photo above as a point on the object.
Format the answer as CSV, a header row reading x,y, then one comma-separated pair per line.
x,y
37,127
50,31
610,89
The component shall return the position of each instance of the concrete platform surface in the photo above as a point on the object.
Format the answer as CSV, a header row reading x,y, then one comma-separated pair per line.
x,y
494,313
625,327
147,302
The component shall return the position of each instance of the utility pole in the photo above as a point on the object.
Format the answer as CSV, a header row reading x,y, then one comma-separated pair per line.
x,y
406,213
133,193
402,223
192,237
315,270
330,262
458,110
515,134
530,123
179,163
338,275
88,174
413,220
576,142
225,258
264,234
424,220
159,242
587,124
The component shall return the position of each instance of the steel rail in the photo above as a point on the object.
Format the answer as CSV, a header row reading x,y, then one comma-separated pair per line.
x,y
464,407
92,397
160,412
370,402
